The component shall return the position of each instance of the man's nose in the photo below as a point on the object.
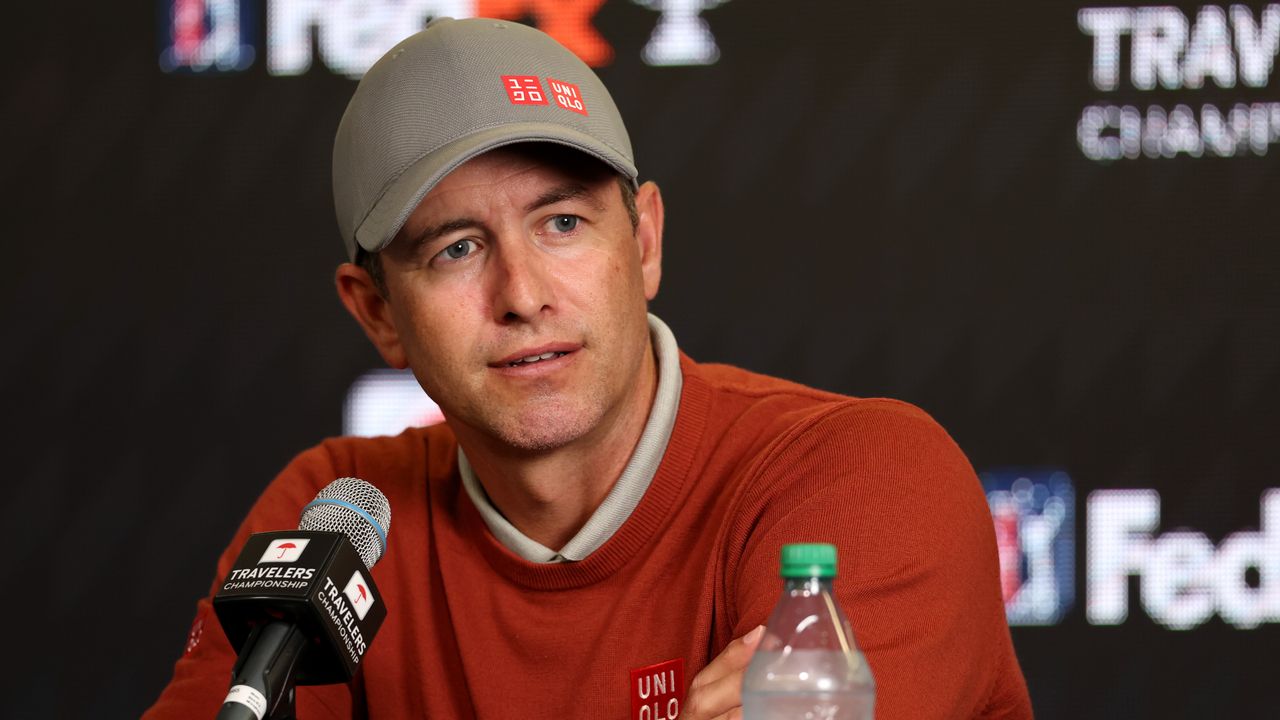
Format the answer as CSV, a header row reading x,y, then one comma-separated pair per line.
x,y
522,287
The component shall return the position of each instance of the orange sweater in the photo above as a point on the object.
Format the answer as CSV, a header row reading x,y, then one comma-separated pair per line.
x,y
753,463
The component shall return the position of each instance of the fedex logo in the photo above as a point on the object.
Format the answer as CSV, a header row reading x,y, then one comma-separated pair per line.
x,y
350,35
1034,516
1184,577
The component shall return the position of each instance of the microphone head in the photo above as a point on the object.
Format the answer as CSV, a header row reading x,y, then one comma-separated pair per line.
x,y
356,509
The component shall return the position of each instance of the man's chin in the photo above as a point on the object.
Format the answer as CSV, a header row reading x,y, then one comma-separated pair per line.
x,y
543,428
548,436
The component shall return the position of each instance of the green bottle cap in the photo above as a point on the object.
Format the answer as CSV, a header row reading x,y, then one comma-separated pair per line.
x,y
805,560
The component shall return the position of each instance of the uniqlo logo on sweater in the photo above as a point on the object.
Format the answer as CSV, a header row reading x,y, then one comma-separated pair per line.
x,y
197,632
524,90
657,691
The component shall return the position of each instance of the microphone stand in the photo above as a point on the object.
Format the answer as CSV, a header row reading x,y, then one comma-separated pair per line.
x,y
267,663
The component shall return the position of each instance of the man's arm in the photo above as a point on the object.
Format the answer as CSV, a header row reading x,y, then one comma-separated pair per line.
x,y
918,571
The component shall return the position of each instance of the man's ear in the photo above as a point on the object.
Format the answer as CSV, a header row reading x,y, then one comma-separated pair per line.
x,y
649,235
362,299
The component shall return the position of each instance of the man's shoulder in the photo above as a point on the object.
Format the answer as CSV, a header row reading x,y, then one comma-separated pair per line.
x,y
395,464
743,399
723,378
778,445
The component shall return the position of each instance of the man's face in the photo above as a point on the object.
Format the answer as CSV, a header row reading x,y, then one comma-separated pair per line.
x,y
517,291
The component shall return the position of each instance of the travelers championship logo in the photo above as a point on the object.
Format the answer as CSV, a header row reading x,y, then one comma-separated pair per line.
x,y
1220,53
357,591
1034,516
284,550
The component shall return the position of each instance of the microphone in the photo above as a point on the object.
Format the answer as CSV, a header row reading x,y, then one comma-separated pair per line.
x,y
299,606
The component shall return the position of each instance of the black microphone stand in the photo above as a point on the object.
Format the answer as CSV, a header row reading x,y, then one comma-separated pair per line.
x,y
266,664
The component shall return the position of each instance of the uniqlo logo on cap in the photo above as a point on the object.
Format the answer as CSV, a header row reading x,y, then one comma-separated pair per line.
x,y
657,691
567,96
284,550
357,591
524,90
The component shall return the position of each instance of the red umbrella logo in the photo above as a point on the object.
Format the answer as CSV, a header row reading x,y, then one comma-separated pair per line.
x,y
284,546
363,596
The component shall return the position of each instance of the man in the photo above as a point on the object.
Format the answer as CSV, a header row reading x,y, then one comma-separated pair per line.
x,y
597,503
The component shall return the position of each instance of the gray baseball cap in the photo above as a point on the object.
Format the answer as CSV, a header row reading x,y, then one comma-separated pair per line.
x,y
455,90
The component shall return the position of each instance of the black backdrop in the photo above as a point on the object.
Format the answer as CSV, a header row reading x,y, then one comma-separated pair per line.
x,y
874,198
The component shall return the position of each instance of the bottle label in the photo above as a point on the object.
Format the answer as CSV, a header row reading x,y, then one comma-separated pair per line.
x,y
657,691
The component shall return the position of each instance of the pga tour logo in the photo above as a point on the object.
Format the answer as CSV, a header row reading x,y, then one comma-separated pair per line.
x,y
284,550
1034,516
198,36
357,591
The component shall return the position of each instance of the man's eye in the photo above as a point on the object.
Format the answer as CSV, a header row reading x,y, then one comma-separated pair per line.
x,y
564,223
459,250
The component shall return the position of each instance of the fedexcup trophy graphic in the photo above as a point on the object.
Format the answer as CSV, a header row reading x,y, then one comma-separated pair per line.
x,y
681,36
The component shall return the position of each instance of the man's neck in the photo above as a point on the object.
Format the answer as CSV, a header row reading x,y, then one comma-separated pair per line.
x,y
549,496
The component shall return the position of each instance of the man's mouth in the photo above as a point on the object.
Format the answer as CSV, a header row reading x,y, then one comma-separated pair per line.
x,y
531,359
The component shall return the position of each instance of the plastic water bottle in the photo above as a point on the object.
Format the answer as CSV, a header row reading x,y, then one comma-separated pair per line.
x,y
807,666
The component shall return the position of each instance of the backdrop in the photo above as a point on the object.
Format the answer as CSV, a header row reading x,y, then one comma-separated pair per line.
x,y
1051,225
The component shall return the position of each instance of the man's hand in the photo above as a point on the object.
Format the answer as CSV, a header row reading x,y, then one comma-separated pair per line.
x,y
716,692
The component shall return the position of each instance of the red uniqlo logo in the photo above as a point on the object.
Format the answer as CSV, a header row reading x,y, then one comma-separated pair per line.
x,y
567,96
657,691
524,89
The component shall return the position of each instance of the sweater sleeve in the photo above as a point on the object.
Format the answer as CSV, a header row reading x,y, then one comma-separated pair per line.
x,y
918,573
202,675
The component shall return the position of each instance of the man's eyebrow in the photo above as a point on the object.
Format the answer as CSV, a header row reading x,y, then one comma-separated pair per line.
x,y
560,193
571,191
432,232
